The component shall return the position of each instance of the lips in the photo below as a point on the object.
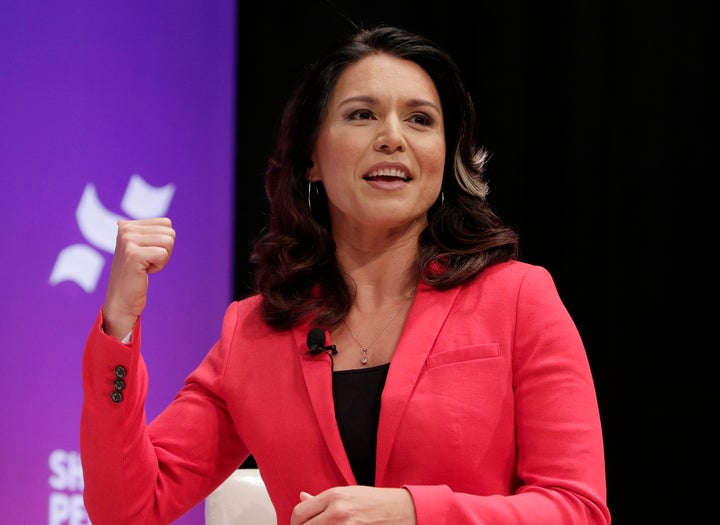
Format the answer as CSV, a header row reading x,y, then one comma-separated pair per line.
x,y
387,174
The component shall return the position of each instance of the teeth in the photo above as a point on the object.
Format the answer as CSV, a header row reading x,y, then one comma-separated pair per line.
x,y
388,173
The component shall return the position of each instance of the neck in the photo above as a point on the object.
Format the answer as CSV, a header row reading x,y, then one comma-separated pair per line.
x,y
379,278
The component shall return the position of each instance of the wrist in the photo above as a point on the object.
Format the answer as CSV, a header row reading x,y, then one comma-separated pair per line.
x,y
118,326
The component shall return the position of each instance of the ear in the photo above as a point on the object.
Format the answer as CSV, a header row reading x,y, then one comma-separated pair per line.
x,y
311,173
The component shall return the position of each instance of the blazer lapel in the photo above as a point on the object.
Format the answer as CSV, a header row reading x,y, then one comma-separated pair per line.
x,y
317,371
427,315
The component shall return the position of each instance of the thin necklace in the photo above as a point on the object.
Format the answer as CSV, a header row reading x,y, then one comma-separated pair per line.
x,y
364,348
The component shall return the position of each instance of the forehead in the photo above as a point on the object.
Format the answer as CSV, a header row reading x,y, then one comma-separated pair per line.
x,y
379,75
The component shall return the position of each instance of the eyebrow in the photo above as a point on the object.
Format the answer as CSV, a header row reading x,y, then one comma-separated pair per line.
x,y
415,102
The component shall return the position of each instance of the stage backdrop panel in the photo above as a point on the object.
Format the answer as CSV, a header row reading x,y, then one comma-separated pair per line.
x,y
107,110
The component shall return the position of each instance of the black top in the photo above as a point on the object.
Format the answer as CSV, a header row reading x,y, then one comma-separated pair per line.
x,y
357,409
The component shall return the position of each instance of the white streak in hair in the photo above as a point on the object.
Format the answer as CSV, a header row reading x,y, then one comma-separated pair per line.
x,y
469,181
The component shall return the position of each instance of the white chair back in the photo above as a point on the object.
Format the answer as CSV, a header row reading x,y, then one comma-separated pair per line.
x,y
241,500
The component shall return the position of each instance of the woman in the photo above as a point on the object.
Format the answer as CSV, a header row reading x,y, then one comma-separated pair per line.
x,y
447,382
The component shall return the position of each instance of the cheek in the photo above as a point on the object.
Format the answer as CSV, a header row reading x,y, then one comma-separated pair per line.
x,y
433,161
336,153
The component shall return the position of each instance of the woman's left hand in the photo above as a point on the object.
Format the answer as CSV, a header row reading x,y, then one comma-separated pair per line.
x,y
355,504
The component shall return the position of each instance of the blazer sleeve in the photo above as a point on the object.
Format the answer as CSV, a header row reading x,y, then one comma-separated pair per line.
x,y
560,458
151,473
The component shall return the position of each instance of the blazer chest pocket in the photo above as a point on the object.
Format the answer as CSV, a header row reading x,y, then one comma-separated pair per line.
x,y
464,353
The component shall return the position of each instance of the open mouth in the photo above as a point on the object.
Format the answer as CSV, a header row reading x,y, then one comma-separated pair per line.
x,y
391,174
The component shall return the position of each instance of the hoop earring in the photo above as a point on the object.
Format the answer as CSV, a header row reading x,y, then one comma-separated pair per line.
x,y
441,198
310,194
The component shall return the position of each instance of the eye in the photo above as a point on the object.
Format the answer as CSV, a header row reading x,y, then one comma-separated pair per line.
x,y
361,114
421,119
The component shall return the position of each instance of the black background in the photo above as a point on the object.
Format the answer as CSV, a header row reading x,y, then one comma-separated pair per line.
x,y
595,115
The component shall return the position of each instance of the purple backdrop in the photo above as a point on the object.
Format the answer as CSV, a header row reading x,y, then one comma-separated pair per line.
x,y
107,110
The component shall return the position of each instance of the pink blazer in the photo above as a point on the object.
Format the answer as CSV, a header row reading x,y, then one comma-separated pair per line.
x,y
489,414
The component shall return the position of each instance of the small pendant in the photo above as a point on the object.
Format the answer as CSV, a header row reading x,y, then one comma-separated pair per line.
x,y
363,357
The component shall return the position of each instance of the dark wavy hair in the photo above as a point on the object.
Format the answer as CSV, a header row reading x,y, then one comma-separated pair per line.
x,y
295,266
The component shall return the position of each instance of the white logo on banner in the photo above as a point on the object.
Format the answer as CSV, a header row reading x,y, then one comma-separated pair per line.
x,y
83,264
66,501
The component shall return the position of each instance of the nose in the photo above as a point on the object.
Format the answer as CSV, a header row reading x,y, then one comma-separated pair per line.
x,y
390,137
